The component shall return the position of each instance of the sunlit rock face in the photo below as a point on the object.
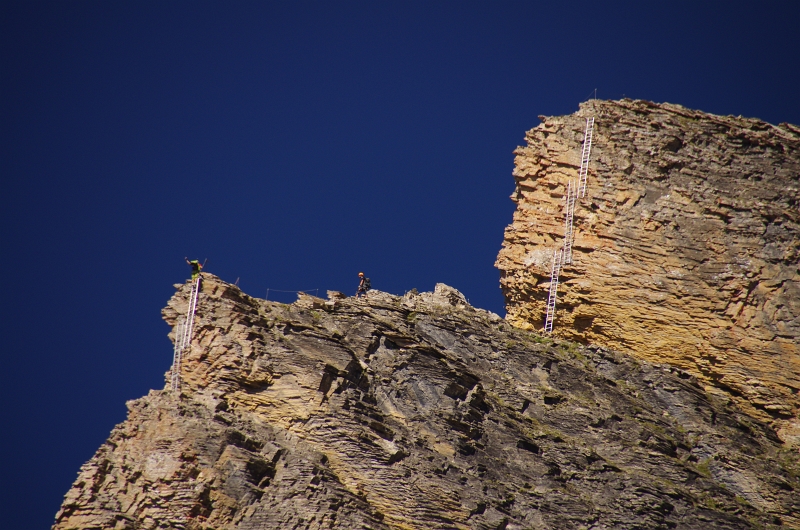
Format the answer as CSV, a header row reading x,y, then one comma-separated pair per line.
x,y
421,412
686,245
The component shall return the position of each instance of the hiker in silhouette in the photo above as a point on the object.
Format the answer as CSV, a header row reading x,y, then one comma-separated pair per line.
x,y
363,285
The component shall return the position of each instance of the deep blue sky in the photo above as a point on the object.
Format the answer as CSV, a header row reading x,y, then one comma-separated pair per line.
x,y
292,144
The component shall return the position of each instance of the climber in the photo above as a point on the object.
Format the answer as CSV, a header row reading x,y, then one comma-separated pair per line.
x,y
196,267
364,285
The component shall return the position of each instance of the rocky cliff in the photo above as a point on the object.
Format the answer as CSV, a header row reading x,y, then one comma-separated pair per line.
x,y
421,412
686,245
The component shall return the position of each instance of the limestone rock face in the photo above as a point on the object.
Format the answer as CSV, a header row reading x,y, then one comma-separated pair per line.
x,y
421,412
686,245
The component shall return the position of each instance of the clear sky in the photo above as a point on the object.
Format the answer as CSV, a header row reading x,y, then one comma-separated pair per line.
x,y
292,144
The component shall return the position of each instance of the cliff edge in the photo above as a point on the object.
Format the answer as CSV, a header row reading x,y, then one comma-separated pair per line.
x,y
422,412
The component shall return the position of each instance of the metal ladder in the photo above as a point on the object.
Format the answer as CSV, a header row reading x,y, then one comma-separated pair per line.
x,y
572,194
175,371
551,298
183,335
565,255
587,150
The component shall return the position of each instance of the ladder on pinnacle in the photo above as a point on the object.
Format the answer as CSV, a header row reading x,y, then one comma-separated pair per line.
x,y
572,194
564,255
587,150
183,335
551,298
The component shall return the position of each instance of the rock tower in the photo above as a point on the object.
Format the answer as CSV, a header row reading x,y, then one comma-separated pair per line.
x,y
686,245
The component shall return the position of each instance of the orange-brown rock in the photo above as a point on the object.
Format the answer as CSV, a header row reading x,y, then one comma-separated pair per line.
x,y
422,412
686,245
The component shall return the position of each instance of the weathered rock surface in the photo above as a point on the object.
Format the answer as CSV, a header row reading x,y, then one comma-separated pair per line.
x,y
686,245
423,412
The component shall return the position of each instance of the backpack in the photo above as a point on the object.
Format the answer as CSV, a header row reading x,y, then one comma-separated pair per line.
x,y
367,284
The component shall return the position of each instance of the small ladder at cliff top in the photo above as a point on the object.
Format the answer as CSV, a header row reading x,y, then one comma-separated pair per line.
x,y
183,335
587,150
551,298
572,194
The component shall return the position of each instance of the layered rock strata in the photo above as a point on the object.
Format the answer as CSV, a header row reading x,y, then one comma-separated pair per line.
x,y
686,245
421,412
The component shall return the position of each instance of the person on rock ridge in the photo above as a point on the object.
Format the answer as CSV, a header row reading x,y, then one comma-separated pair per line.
x,y
196,267
364,285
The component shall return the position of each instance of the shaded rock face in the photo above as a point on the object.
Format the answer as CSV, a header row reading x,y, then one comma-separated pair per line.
x,y
422,412
686,245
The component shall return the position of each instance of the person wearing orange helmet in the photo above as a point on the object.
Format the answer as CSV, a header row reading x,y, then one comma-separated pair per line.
x,y
363,285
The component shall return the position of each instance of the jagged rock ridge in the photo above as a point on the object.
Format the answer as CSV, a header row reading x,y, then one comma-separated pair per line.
x,y
422,412
686,247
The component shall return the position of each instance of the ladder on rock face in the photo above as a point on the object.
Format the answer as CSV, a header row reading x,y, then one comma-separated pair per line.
x,y
564,255
183,335
587,150
572,194
551,298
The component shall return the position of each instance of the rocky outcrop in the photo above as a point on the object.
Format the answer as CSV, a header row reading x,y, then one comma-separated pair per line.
x,y
686,246
423,412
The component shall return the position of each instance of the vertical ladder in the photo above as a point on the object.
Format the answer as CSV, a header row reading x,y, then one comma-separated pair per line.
x,y
564,255
176,355
572,194
587,150
183,335
551,298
